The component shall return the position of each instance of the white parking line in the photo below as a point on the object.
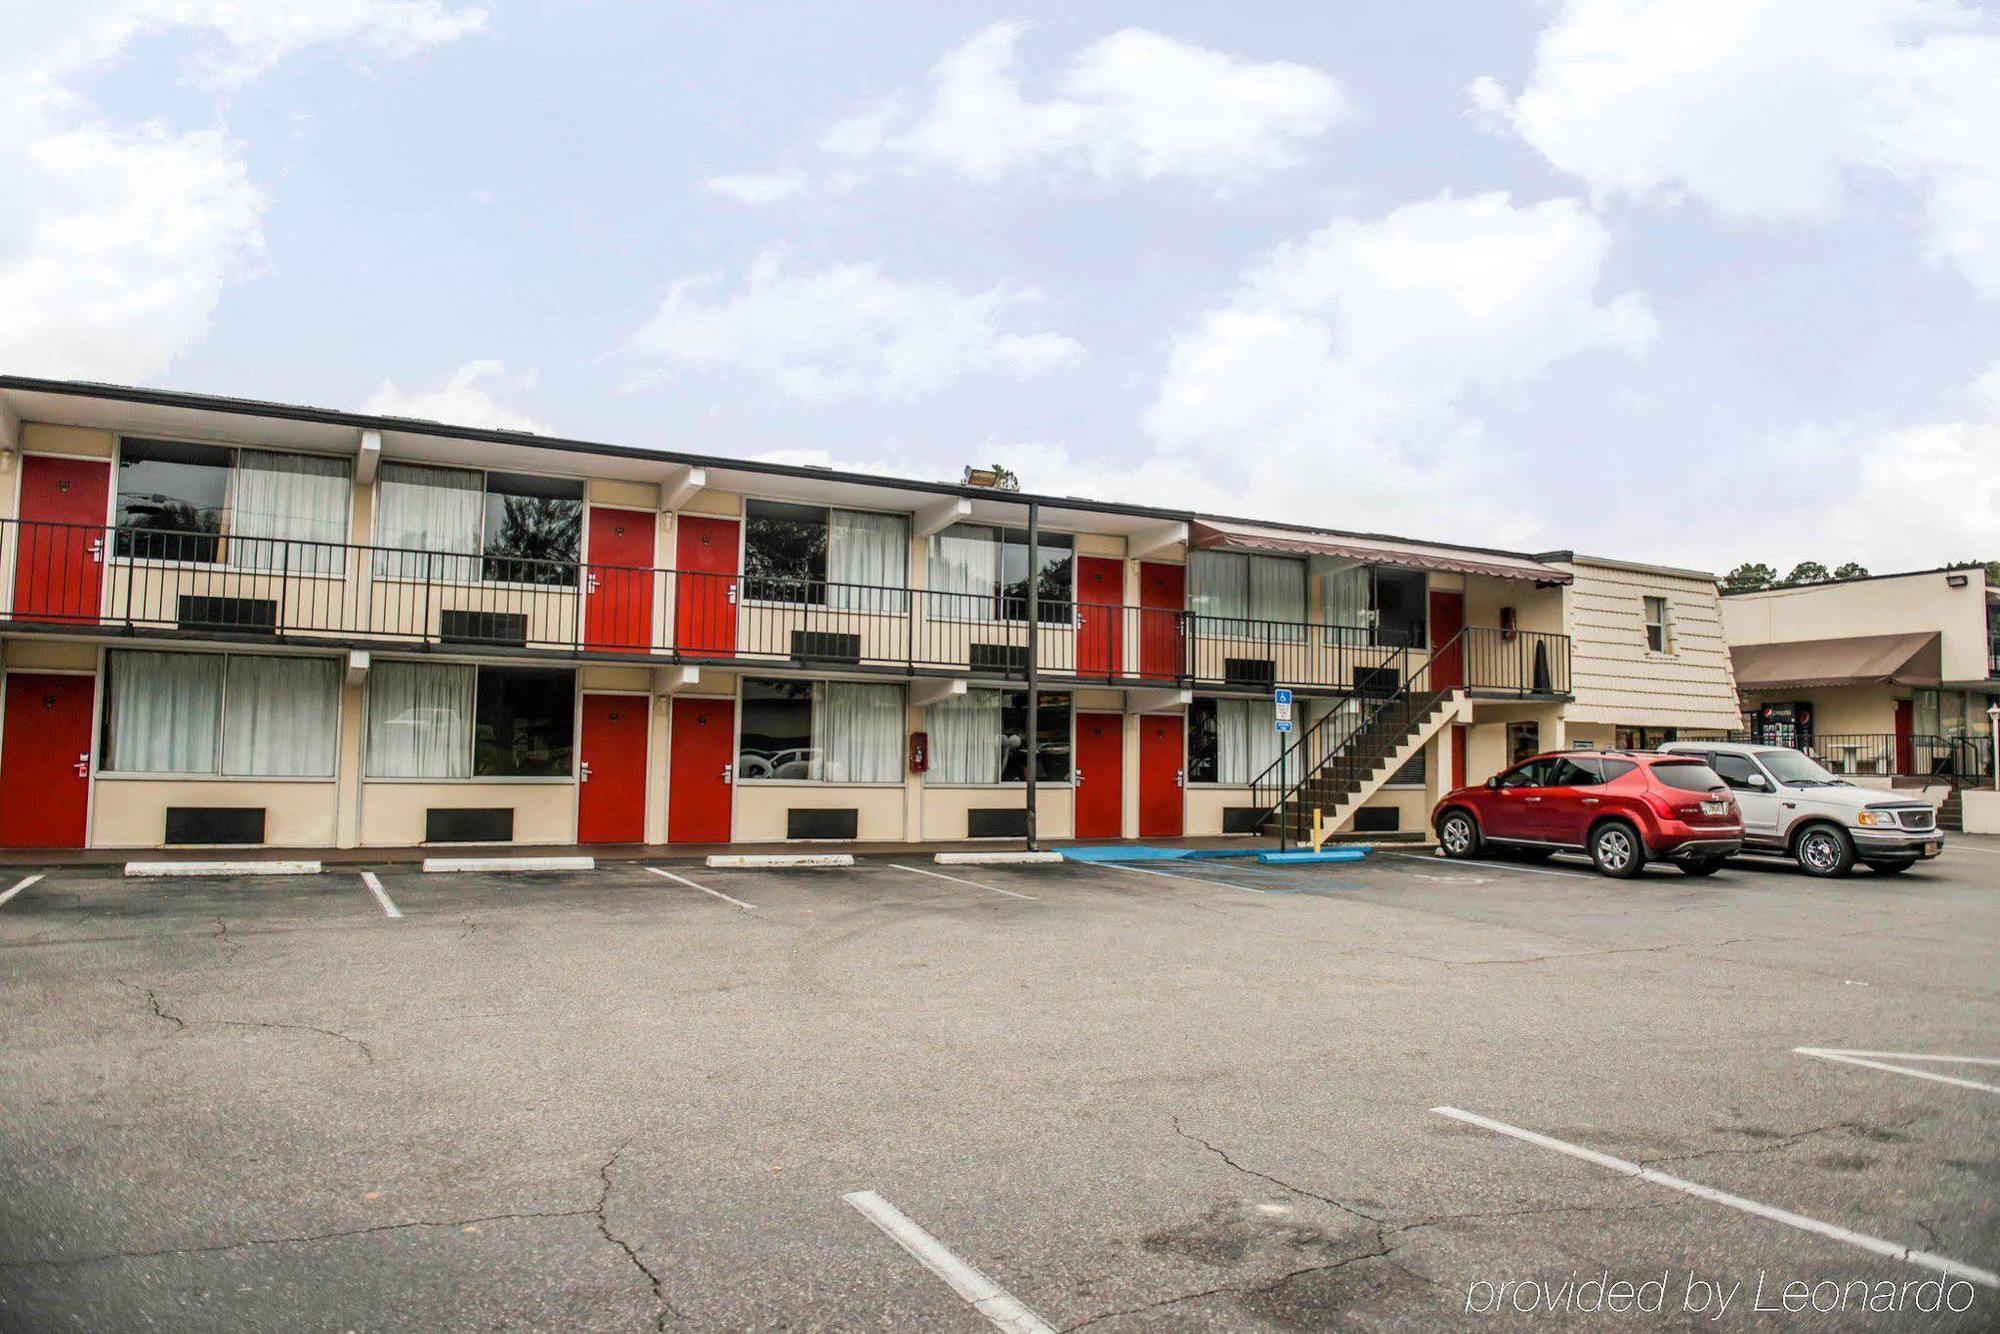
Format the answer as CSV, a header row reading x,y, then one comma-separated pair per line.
x,y
714,893
1714,1196
1862,1058
381,895
986,1297
1169,875
1492,865
18,887
939,875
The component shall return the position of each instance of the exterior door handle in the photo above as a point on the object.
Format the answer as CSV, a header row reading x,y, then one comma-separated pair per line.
x,y
83,765
1590,801
583,771
1079,777
590,584
1531,799
725,773
1180,778
732,594
97,550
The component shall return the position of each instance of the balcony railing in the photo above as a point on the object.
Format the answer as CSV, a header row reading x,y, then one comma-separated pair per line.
x,y
214,585
1886,755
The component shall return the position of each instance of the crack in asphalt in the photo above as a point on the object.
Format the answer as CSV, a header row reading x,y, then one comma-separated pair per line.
x,y
235,947
667,1308
302,1239
180,1024
1774,1145
153,1001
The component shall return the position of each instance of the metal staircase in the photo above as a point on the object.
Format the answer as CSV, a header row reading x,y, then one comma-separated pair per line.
x,y
1343,759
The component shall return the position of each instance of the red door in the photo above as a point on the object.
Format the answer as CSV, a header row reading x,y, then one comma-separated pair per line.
x,y
1100,632
1906,726
618,584
1162,596
705,602
59,557
45,760
611,803
1458,740
1100,775
1447,619
698,778
1162,760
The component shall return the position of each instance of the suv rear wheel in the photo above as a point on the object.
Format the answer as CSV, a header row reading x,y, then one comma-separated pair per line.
x,y
1825,850
1616,849
1458,835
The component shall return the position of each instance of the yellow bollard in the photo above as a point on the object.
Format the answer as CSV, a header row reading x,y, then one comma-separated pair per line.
x,y
1319,829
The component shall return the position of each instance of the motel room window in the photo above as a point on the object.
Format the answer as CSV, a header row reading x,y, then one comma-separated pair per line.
x,y
463,526
821,732
1658,627
1401,604
1228,588
976,572
449,720
981,737
1524,739
850,560
253,508
234,715
1230,741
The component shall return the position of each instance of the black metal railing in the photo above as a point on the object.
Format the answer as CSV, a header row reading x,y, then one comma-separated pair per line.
x,y
1355,737
1959,759
219,584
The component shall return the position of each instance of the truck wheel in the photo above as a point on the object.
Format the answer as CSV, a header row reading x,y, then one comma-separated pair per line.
x,y
1458,835
1825,851
1616,849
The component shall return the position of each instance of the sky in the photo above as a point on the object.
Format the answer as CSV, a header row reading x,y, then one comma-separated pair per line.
x,y
1692,281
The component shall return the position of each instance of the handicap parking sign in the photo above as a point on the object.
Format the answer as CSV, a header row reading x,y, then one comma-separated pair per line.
x,y
1281,709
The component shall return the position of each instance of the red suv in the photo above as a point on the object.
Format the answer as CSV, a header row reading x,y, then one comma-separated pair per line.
x,y
1624,808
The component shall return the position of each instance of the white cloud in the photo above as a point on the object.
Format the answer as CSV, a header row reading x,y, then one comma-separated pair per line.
x,y
765,188
1335,386
467,397
1764,109
1135,105
848,329
128,235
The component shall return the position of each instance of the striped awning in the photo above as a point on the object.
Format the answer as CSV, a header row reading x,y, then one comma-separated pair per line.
x,y
1231,535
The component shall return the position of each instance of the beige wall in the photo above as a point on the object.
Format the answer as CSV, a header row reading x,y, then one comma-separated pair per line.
x,y
392,813
945,809
132,812
1618,680
1905,604
761,807
1839,709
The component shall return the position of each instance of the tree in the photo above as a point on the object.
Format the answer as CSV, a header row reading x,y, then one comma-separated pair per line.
x,y
1806,572
1004,479
1748,578
1852,570
1992,569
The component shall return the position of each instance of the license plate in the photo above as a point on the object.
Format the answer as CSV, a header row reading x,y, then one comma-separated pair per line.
x,y
1715,808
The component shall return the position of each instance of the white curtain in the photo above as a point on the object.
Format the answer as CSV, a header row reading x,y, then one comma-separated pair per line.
x,y
420,720
424,510
965,738
965,563
867,559
1218,585
1278,593
165,709
1246,739
857,733
1343,600
290,512
281,718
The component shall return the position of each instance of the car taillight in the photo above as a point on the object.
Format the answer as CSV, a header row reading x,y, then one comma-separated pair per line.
x,y
1661,806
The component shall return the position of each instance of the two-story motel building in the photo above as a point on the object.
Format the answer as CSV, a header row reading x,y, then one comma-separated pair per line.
x,y
229,622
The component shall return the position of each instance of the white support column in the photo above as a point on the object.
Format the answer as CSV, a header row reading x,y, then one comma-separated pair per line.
x,y
680,486
939,515
1159,537
368,458
932,691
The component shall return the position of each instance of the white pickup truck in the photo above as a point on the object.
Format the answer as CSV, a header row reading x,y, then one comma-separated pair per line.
x,y
1794,808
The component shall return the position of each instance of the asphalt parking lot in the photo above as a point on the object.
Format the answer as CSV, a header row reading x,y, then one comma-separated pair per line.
x,y
910,1096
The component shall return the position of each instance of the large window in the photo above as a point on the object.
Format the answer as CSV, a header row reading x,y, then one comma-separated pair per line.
x,y
1400,602
448,523
982,737
821,732
846,559
1659,630
447,720
1231,741
981,573
257,509
239,715
1247,597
